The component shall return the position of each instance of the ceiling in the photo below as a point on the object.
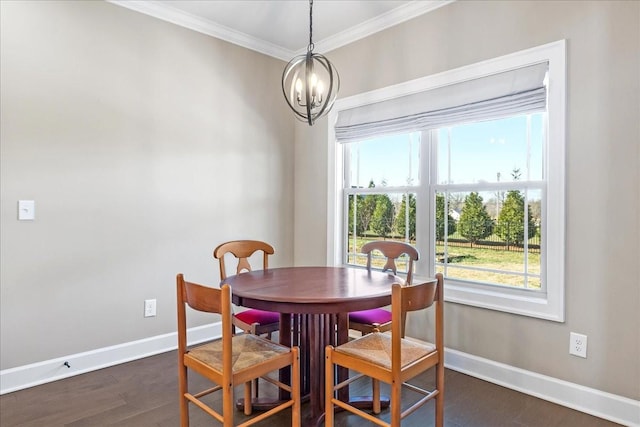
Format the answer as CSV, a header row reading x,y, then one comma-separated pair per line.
x,y
280,28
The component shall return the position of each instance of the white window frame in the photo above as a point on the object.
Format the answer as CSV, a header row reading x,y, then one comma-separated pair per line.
x,y
548,304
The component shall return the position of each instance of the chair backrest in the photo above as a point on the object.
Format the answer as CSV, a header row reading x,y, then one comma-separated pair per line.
x,y
405,299
209,300
392,251
242,250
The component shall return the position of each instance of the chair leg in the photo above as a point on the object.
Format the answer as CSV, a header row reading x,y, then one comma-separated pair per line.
x,y
396,403
247,398
440,410
254,331
375,385
184,404
328,388
295,389
227,405
440,396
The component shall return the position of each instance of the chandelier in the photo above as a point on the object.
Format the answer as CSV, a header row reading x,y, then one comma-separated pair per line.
x,y
310,82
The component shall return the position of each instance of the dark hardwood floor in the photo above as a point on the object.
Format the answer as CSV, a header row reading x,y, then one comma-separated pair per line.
x,y
143,393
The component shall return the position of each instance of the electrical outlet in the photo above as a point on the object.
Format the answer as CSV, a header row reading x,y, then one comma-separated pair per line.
x,y
578,344
149,307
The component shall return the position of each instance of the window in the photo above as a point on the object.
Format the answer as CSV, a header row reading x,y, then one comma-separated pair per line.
x,y
477,186
489,194
381,176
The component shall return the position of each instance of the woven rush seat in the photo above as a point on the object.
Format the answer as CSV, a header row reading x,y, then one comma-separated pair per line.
x,y
376,348
248,351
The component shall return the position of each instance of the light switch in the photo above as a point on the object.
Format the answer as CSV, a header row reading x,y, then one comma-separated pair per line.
x,y
26,210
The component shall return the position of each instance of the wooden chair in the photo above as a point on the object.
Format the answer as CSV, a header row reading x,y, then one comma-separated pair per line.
x,y
230,361
257,322
367,321
392,358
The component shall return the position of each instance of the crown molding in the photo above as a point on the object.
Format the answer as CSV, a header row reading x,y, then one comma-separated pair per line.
x,y
175,16
204,26
382,22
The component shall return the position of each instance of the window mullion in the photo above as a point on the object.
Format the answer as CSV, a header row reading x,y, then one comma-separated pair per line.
x,y
425,217
525,241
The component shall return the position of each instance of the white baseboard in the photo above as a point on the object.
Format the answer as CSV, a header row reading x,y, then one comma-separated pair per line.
x,y
601,404
609,406
35,374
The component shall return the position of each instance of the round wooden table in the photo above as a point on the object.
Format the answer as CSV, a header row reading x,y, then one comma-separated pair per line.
x,y
313,303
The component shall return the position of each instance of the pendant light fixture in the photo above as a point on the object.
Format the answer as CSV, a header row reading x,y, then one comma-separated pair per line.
x,y
310,82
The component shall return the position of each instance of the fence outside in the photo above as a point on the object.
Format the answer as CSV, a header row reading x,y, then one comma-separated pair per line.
x,y
492,242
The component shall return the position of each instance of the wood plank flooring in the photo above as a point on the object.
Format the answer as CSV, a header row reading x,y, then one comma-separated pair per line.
x,y
143,393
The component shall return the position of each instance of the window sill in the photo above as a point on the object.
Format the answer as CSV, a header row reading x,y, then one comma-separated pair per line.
x,y
514,301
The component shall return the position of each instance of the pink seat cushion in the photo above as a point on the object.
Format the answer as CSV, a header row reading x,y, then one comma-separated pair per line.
x,y
375,315
260,317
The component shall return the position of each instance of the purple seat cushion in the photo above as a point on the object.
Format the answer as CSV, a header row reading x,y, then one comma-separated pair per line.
x,y
375,315
260,317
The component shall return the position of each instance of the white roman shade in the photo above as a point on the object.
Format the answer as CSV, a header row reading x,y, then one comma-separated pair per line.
x,y
509,93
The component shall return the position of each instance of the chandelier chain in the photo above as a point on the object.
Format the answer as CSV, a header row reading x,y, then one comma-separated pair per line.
x,y
310,47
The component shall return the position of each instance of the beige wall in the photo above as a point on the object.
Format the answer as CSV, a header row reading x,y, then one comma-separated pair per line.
x,y
144,145
603,159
